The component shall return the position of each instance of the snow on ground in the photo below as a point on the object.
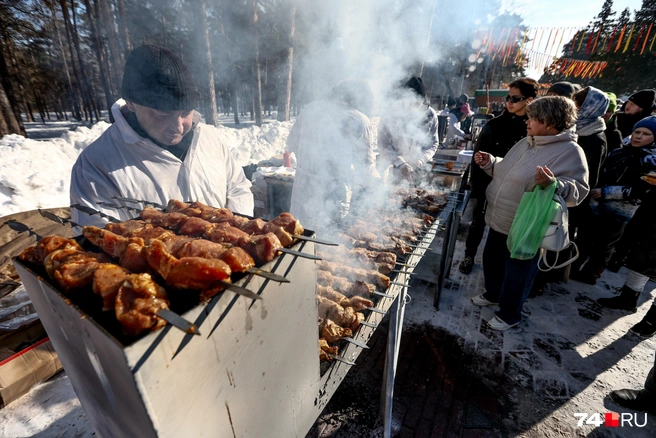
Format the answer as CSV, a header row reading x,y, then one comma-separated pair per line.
x,y
35,172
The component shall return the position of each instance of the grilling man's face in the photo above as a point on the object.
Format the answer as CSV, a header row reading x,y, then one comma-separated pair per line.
x,y
165,127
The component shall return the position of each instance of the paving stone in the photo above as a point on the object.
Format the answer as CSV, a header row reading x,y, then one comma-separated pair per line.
x,y
550,384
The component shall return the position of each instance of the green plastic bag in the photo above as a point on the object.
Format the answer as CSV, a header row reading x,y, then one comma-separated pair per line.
x,y
534,213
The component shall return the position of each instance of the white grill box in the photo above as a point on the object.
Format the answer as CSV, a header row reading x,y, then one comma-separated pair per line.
x,y
253,372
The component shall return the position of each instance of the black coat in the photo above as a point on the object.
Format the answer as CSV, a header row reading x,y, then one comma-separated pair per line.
x,y
497,137
613,136
640,237
595,150
625,166
626,122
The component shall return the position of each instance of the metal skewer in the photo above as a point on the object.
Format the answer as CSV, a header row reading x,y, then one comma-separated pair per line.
x,y
123,207
380,294
340,359
396,283
373,309
299,254
90,211
178,322
314,239
240,290
137,201
354,342
368,324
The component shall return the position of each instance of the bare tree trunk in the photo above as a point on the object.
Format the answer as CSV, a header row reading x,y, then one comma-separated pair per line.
x,y
116,54
234,97
211,116
86,90
123,29
285,103
71,91
100,56
8,123
258,82
15,123
76,74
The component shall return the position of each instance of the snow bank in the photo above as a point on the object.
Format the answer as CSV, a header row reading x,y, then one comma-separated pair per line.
x,y
253,144
36,174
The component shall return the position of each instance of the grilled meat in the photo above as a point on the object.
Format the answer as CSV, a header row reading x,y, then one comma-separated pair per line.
x,y
137,301
353,274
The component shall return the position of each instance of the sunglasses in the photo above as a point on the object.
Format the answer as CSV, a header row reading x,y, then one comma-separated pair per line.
x,y
514,99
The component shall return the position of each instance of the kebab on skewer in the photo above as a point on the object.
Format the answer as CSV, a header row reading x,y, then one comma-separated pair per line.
x,y
135,298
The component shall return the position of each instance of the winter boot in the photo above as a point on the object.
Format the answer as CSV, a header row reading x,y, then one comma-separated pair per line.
x,y
647,327
636,400
466,265
587,275
626,300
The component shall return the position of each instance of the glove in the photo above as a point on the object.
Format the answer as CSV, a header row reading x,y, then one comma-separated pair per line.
x,y
405,170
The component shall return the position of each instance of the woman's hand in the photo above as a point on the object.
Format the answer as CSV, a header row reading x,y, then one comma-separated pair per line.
x,y
544,177
482,158
595,193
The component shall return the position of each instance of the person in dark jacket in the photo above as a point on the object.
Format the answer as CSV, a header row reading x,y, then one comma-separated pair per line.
x,y
497,137
639,244
639,105
641,262
616,199
613,135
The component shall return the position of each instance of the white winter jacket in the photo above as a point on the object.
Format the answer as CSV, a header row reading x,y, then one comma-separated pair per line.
x,y
122,163
514,175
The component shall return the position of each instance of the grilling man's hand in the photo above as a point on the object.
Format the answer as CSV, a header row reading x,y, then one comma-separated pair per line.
x,y
406,170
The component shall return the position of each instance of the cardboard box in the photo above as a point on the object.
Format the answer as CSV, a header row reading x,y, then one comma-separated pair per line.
x,y
19,372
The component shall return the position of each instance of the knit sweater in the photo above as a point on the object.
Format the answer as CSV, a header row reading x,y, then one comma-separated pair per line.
x,y
514,175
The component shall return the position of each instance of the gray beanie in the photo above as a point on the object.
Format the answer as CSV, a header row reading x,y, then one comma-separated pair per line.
x,y
157,78
564,88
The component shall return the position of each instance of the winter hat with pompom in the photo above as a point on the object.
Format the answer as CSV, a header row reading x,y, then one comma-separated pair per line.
x,y
157,78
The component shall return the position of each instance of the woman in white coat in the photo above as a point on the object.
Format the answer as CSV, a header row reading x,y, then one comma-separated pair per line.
x,y
549,153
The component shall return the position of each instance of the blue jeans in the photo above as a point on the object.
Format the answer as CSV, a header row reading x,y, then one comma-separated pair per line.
x,y
507,281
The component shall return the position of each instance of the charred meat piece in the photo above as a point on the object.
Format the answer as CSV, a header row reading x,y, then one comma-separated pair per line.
x,y
356,302
287,222
37,254
187,272
137,302
332,332
353,274
172,221
195,227
127,227
343,285
107,279
253,226
325,350
263,248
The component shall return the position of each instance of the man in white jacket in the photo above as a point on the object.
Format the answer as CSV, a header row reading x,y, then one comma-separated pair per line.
x,y
157,150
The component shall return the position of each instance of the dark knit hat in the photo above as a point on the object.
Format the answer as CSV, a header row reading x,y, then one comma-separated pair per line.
x,y
417,84
157,78
648,122
565,89
451,101
644,99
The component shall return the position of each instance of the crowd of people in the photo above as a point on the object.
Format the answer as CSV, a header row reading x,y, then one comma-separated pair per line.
x,y
602,157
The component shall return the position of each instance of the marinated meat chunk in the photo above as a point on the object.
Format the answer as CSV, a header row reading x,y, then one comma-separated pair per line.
x,y
137,302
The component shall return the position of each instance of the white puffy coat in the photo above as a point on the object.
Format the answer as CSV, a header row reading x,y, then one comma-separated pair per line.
x,y
122,163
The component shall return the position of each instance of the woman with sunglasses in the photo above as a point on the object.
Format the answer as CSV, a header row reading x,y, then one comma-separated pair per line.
x,y
549,153
496,138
